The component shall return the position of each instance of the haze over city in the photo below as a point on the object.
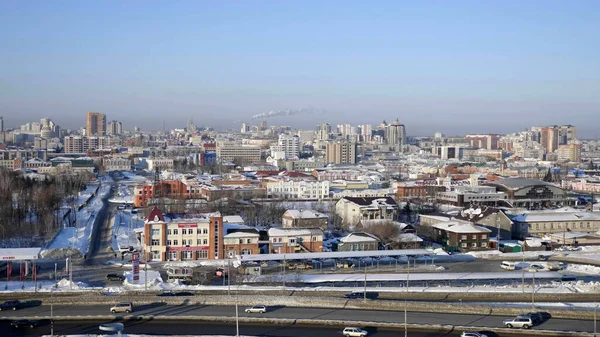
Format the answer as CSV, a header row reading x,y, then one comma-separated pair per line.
x,y
455,67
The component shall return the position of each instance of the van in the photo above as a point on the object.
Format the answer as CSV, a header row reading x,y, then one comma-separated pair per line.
x,y
507,265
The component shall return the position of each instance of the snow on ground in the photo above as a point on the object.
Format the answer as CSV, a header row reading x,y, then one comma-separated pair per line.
x,y
124,224
42,286
78,238
154,280
134,179
209,263
583,269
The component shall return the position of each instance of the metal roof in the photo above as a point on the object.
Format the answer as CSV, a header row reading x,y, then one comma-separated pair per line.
x,y
518,183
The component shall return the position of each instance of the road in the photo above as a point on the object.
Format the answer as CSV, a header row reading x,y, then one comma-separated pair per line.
x,y
161,309
195,328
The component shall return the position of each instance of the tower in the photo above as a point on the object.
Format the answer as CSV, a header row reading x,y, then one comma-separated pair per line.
x,y
95,124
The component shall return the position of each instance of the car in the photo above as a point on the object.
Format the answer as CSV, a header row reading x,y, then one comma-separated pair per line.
x,y
354,332
24,323
115,277
567,278
122,307
257,308
178,293
518,322
10,304
472,334
536,317
536,267
359,294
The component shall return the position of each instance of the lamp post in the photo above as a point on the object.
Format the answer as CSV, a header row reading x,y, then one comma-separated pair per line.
x,y
52,311
533,292
523,273
365,290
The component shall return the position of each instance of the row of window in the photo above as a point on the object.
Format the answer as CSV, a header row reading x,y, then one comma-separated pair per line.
x,y
473,236
184,231
184,242
200,254
560,226
474,245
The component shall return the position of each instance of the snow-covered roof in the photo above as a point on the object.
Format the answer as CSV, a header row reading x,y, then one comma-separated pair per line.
x,y
305,214
573,235
460,227
359,237
557,216
294,232
335,255
409,237
241,235
233,219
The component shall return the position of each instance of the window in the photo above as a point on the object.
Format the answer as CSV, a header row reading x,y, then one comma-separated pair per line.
x,y
280,240
474,236
169,232
168,242
184,242
175,232
184,231
463,244
202,254
483,236
187,255
190,242
155,255
175,242
248,240
474,244
484,244
155,242
246,251
172,256
241,241
314,239
205,231
464,237
155,231
191,231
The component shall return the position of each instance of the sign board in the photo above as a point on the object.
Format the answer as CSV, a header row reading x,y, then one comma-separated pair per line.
x,y
187,225
135,265
277,245
187,249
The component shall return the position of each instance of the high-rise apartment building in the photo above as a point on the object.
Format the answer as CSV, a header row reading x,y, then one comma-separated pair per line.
x,y
77,144
288,144
95,124
341,152
395,134
366,132
566,134
570,152
549,138
1,124
323,131
245,128
263,125
115,128
488,142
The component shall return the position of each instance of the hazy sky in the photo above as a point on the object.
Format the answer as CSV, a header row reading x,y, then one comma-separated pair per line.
x,y
450,66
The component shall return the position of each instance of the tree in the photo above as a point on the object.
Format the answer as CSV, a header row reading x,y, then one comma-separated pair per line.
x,y
386,231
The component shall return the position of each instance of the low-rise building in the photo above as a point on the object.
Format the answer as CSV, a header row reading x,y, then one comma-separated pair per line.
x,y
460,236
198,238
304,218
159,163
358,242
561,221
293,189
352,210
116,164
289,241
241,242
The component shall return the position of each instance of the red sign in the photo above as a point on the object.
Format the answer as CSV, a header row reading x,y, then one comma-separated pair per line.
x,y
187,225
186,249
8,271
8,258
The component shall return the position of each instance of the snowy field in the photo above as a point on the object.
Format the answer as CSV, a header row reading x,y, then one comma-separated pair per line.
x,y
78,238
124,224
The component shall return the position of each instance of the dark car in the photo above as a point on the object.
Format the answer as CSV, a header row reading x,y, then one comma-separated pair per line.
x,y
536,317
115,277
178,293
370,295
24,323
10,305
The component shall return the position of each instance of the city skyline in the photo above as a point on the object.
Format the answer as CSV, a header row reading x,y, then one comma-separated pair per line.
x,y
457,68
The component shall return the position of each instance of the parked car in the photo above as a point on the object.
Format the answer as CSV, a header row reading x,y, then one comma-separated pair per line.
x,y
359,294
518,322
472,334
567,278
10,305
257,308
115,277
177,293
122,307
354,332
24,323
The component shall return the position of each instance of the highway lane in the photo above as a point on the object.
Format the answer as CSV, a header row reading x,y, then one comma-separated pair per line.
x,y
161,309
196,328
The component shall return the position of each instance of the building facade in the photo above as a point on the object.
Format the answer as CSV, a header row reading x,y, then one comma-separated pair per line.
x,y
354,209
293,189
95,124
290,241
340,152
304,219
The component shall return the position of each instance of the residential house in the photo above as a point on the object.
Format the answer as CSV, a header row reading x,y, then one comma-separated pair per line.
x,y
461,236
304,218
289,241
354,209
241,242
359,241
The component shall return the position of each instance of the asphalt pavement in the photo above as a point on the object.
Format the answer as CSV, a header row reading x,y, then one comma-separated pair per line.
x,y
200,328
161,309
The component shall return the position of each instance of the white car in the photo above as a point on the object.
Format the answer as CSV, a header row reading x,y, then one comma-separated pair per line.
x,y
257,308
472,334
518,322
354,332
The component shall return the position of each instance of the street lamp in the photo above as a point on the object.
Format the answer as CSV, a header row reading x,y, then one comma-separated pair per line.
x,y
533,292
405,298
523,272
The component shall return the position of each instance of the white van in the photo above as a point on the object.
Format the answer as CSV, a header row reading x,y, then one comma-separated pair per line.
x,y
508,265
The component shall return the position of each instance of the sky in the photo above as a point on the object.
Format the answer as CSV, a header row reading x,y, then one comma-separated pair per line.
x,y
451,66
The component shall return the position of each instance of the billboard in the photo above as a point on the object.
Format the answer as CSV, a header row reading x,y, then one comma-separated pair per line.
x,y
135,265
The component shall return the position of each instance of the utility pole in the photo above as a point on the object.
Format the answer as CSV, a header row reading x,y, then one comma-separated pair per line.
x,y
52,311
533,293
145,271
405,299
523,272
365,291
595,309
284,266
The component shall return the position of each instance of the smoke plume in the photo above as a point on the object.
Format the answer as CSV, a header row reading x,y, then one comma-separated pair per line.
x,y
287,112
